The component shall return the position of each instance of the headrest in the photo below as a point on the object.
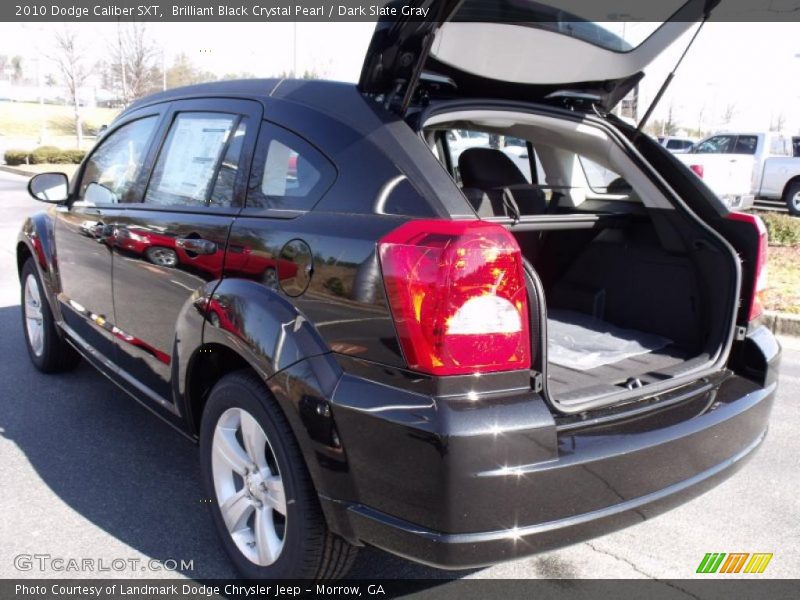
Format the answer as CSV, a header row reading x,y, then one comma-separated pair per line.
x,y
487,168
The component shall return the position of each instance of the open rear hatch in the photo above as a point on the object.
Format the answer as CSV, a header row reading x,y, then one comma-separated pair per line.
x,y
522,50
634,290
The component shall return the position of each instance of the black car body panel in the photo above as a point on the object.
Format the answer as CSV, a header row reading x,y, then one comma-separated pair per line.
x,y
453,471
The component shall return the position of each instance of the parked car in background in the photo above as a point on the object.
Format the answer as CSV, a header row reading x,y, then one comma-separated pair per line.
x,y
796,145
676,144
739,167
460,370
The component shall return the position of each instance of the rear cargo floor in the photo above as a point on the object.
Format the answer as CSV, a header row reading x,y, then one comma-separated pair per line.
x,y
625,354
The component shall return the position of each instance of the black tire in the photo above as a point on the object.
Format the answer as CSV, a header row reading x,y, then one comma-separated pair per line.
x,y
309,550
56,354
791,198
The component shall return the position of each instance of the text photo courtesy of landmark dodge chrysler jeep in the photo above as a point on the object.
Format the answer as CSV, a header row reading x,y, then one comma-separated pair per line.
x,y
378,339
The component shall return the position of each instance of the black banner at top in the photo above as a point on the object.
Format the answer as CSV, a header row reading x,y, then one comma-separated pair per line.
x,y
371,10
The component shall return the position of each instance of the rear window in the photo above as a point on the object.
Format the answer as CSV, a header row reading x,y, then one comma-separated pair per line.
x,y
780,146
678,144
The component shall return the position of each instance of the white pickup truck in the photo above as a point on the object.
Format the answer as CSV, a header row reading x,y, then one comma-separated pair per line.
x,y
741,166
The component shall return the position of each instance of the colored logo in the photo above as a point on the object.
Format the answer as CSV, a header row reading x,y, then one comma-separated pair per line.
x,y
736,562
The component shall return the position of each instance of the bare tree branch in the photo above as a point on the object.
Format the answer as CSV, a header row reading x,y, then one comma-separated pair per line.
x,y
71,59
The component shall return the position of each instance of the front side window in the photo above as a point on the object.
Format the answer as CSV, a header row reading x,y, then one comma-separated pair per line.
x,y
189,160
113,168
719,144
288,173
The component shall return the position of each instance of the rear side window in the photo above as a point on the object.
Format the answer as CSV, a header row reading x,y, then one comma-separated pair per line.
x,y
191,159
745,144
288,173
113,168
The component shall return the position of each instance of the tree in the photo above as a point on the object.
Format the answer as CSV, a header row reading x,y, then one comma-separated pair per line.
x,y
700,114
74,68
184,72
670,126
727,114
134,68
778,123
17,71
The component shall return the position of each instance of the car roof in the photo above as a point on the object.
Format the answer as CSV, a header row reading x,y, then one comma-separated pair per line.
x,y
249,88
338,100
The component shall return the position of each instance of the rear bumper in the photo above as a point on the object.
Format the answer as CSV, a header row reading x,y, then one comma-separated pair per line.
x,y
465,550
444,490
738,201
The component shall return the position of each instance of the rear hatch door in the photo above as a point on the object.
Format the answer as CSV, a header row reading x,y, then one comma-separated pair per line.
x,y
521,49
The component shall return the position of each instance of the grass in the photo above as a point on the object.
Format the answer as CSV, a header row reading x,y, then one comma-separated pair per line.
x,y
21,124
783,262
783,279
783,229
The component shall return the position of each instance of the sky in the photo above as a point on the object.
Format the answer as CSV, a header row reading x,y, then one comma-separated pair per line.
x,y
753,66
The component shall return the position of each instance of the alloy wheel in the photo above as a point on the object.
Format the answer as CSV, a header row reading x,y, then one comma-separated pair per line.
x,y
33,315
248,486
163,257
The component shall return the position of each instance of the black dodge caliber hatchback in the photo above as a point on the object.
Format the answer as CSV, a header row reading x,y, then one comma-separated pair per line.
x,y
457,311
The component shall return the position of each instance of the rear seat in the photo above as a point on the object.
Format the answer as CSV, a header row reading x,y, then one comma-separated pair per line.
x,y
495,186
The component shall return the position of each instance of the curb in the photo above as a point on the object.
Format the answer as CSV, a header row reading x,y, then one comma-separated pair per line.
x,y
782,323
17,171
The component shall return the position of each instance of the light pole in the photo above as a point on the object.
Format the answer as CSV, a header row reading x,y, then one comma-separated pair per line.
x,y
294,54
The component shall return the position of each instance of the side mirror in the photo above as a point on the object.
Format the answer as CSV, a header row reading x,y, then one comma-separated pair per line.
x,y
49,187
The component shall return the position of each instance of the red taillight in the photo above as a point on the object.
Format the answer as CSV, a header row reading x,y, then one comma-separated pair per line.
x,y
698,170
457,294
760,274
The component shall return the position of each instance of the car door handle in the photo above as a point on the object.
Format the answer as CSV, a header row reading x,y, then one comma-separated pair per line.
x,y
196,245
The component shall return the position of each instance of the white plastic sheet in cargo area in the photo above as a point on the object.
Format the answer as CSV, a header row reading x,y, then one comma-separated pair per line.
x,y
580,341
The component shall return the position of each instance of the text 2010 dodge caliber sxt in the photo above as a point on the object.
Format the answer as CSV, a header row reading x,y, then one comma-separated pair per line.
x,y
456,311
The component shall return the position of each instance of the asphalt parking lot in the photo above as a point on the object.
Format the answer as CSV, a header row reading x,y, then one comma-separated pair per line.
x,y
88,473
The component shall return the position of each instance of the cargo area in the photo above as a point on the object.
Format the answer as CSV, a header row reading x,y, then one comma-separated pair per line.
x,y
630,292
627,305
